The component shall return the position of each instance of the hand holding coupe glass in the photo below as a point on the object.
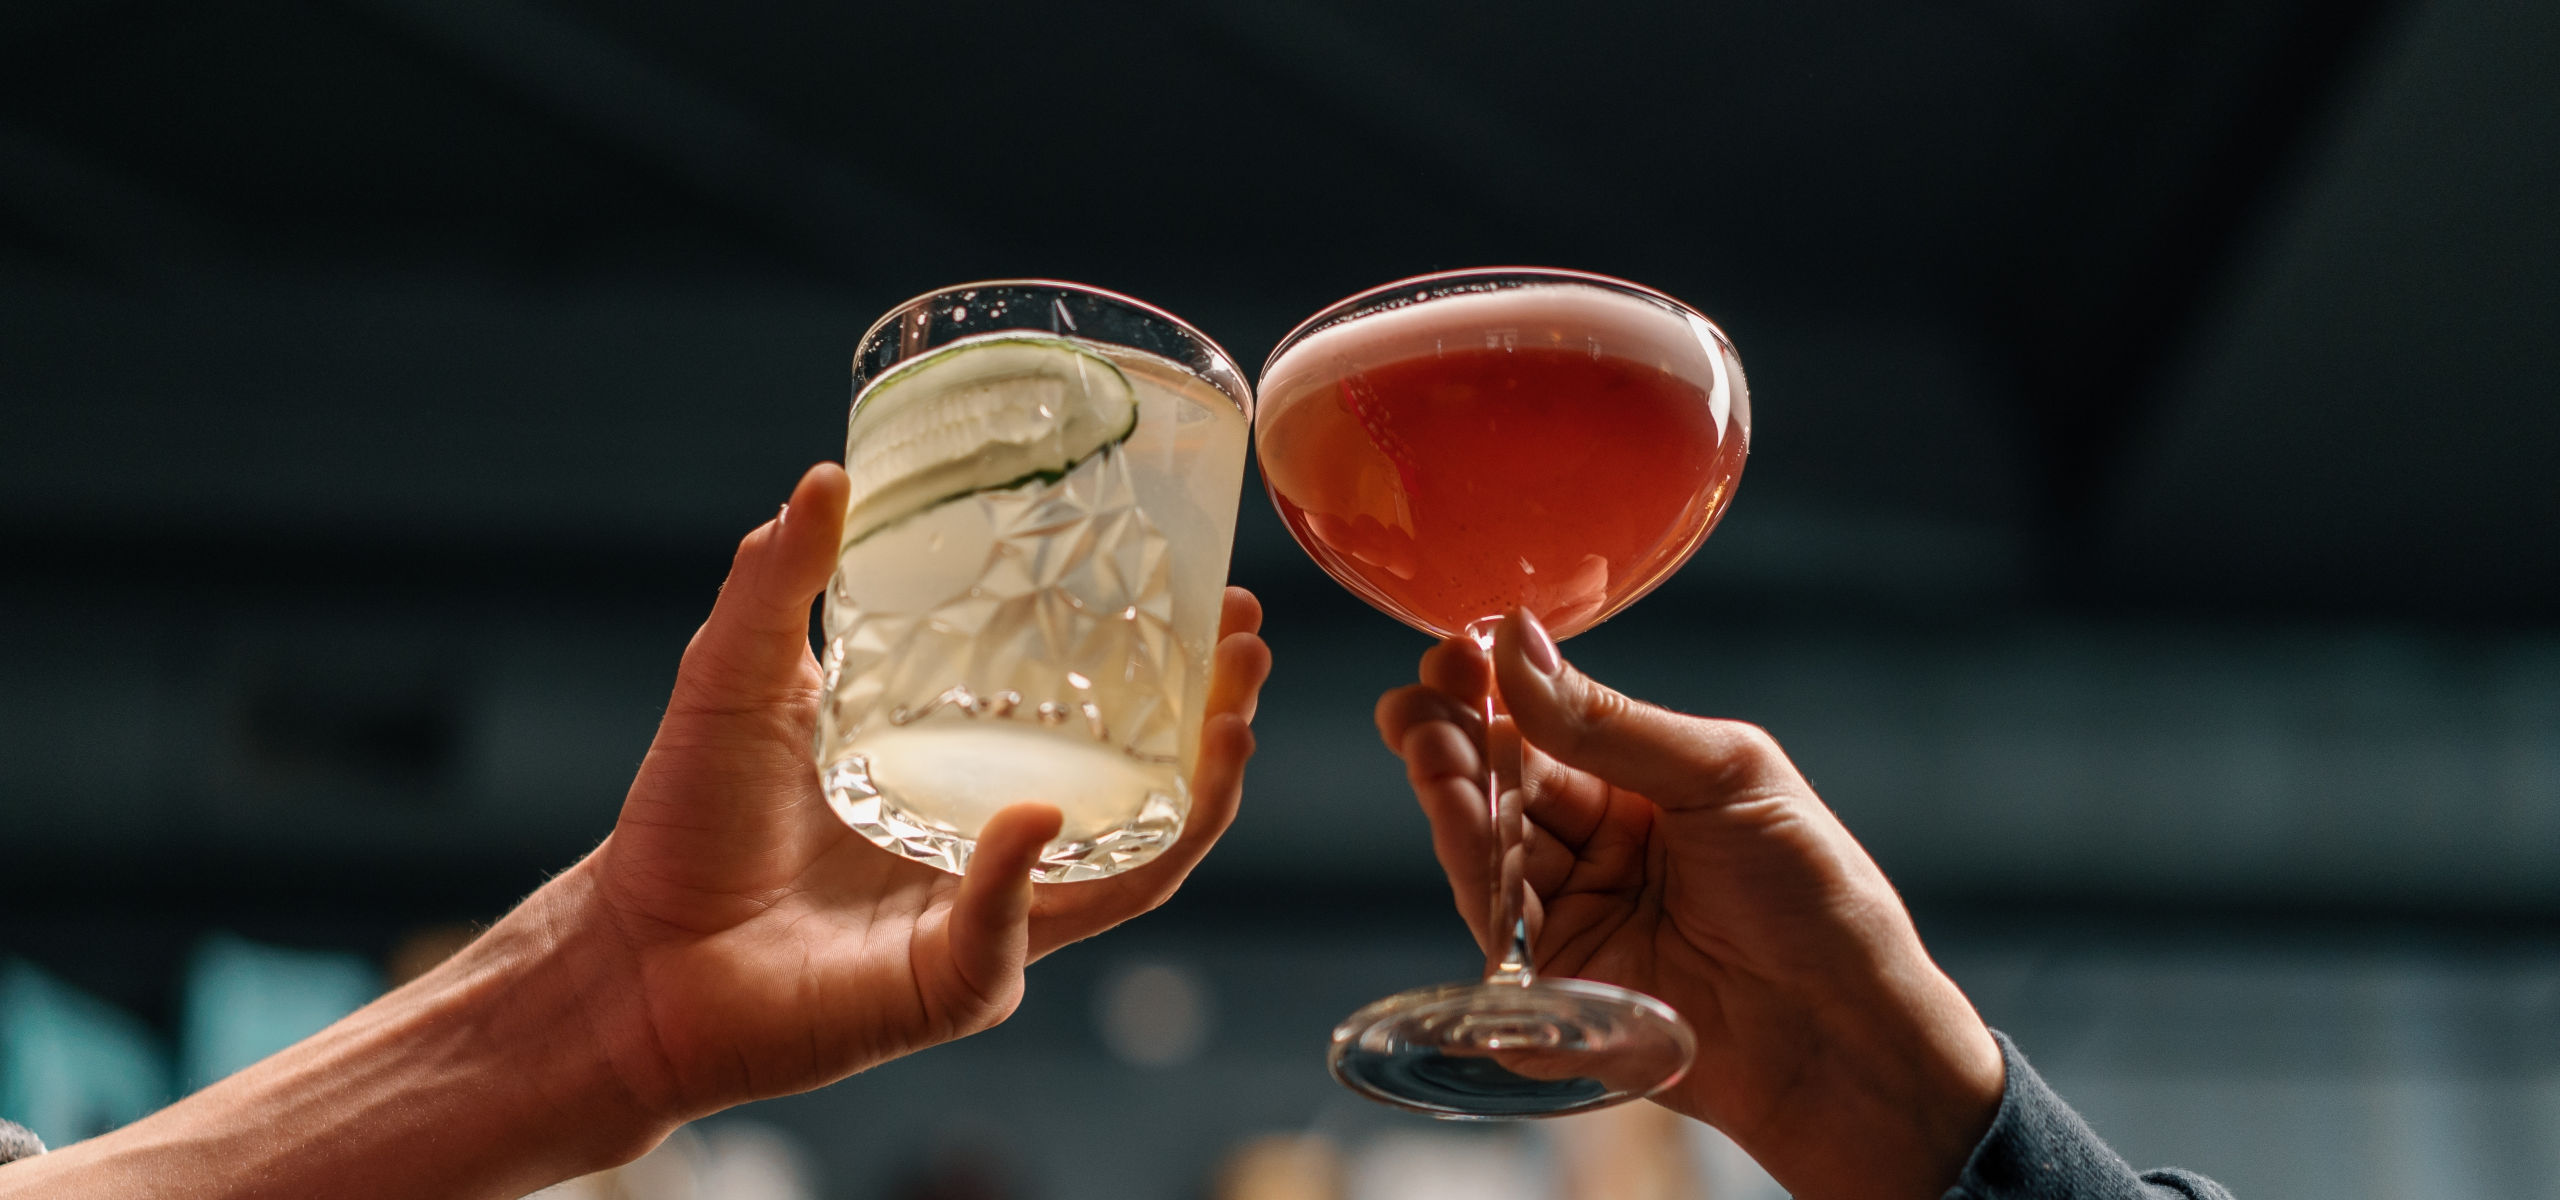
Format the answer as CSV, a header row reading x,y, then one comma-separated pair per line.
x,y
1686,857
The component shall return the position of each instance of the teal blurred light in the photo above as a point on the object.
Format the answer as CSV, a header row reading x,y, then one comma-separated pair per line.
x,y
71,1065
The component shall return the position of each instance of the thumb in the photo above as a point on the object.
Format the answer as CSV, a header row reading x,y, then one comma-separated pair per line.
x,y
1678,761
751,650
990,927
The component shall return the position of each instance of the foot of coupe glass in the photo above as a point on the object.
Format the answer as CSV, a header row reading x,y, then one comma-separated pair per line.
x,y
1500,1051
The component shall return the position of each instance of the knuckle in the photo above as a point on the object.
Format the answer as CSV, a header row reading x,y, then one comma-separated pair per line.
x,y
987,1010
1744,751
1748,740
749,547
1595,707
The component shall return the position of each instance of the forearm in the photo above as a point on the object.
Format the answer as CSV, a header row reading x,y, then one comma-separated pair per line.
x,y
488,1077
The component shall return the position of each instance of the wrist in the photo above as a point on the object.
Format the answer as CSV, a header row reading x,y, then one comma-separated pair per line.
x,y
1901,1080
558,993
1949,1076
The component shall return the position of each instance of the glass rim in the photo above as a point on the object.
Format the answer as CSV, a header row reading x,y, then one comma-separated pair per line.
x,y
1357,305
925,299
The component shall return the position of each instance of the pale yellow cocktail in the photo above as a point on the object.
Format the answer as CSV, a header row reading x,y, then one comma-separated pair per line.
x,y
1029,590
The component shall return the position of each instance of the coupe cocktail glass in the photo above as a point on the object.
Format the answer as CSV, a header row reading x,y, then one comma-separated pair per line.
x,y
1456,446
1027,599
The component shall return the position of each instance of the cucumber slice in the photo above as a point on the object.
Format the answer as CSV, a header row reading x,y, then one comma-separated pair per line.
x,y
980,415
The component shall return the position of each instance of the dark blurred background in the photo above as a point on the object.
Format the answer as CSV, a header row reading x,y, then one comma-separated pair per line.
x,y
2151,544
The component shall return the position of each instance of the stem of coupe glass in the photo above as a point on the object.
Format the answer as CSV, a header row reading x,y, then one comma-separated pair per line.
x,y
1507,959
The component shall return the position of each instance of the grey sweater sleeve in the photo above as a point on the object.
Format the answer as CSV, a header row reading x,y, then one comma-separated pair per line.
x,y
2038,1149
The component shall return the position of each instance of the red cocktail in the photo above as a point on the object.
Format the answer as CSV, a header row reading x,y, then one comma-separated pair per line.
x,y
1448,488
1459,445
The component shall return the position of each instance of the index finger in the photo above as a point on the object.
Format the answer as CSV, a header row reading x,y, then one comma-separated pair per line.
x,y
1457,668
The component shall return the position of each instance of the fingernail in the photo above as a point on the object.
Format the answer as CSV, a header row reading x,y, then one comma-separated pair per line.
x,y
1541,649
784,514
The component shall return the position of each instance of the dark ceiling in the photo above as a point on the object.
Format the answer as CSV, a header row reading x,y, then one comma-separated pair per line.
x,y
1987,260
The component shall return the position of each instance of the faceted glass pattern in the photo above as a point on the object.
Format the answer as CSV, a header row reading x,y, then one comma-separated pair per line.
x,y
1050,672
